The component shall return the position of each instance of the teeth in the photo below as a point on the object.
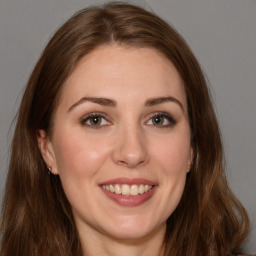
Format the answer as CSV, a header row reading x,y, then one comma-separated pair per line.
x,y
134,191
118,189
111,188
141,189
127,190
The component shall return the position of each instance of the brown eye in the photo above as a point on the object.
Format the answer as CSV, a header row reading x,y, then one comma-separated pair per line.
x,y
158,120
95,120
161,120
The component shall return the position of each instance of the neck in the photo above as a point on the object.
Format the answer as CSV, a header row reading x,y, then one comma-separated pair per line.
x,y
97,243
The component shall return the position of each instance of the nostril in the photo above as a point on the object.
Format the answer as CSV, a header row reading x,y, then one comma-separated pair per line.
x,y
130,163
130,150
121,162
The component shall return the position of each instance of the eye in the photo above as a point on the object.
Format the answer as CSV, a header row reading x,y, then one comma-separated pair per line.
x,y
161,120
95,120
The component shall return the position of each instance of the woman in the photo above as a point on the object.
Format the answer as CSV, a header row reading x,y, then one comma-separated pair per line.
x,y
117,111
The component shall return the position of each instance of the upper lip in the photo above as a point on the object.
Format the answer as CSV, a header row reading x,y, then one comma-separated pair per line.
x,y
128,181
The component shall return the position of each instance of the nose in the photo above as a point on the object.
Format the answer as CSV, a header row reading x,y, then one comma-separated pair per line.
x,y
130,148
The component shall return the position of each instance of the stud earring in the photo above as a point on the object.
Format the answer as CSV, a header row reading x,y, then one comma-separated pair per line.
x,y
49,170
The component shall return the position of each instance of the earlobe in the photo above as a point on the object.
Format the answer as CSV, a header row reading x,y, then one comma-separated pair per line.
x,y
46,149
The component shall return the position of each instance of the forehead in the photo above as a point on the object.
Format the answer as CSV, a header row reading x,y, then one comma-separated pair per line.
x,y
115,71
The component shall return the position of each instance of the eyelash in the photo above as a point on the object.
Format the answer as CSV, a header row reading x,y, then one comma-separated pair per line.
x,y
88,118
168,117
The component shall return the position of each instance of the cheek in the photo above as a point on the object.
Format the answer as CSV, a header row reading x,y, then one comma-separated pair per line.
x,y
173,154
79,156
79,160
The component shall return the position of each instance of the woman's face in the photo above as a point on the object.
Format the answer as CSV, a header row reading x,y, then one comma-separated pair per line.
x,y
121,142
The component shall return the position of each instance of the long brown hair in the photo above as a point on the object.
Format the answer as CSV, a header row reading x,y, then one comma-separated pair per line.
x,y
36,216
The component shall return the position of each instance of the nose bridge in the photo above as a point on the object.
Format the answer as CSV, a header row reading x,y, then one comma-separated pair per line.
x,y
130,147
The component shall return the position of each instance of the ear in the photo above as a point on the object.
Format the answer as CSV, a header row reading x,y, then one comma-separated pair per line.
x,y
190,159
46,149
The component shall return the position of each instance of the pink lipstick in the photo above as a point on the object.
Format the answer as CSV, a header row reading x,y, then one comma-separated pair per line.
x,y
127,191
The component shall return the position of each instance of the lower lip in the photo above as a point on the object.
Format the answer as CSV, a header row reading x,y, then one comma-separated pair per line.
x,y
130,200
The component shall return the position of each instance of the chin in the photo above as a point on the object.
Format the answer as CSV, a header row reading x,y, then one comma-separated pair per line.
x,y
131,230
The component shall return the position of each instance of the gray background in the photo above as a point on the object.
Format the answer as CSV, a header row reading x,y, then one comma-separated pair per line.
x,y
222,34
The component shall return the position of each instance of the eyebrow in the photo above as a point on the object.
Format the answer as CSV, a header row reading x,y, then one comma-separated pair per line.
x,y
111,103
101,101
157,101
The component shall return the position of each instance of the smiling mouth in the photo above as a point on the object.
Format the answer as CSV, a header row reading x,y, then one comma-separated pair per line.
x,y
127,190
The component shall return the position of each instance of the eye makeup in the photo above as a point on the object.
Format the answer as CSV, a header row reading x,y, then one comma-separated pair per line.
x,y
95,120
98,120
161,120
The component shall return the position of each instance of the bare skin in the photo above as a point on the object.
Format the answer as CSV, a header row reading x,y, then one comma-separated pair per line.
x,y
106,246
121,146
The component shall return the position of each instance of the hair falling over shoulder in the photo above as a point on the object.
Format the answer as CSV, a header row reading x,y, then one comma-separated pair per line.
x,y
36,216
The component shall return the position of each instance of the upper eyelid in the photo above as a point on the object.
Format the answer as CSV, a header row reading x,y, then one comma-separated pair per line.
x,y
93,114
161,113
109,119
171,120
155,113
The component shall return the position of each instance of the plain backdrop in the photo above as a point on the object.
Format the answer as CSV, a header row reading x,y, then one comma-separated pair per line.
x,y
222,34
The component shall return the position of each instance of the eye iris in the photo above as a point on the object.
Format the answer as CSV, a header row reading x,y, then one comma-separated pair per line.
x,y
158,120
95,120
